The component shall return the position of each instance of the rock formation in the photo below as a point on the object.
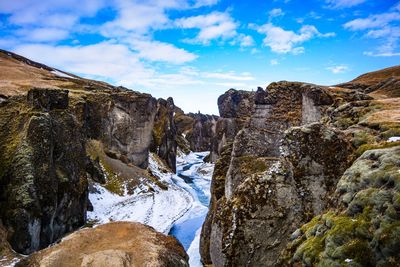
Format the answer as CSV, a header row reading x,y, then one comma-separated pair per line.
x,y
60,133
363,229
196,131
282,153
164,133
112,245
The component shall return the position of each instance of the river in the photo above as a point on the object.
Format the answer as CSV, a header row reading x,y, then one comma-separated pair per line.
x,y
196,175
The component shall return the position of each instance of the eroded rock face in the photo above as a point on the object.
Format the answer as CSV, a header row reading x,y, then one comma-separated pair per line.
x,y
363,229
203,131
217,192
277,176
235,108
44,185
44,165
112,245
128,125
164,133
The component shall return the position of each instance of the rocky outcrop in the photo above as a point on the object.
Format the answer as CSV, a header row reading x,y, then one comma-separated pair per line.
x,y
123,121
363,228
217,192
196,131
235,108
45,156
43,177
277,175
7,256
112,245
203,131
164,133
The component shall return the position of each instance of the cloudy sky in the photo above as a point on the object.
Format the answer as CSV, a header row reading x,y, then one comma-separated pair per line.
x,y
194,50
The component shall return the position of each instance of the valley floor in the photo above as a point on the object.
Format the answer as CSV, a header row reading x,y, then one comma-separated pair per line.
x,y
180,210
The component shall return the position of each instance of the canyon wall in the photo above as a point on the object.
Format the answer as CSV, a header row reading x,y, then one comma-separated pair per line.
x,y
280,158
45,160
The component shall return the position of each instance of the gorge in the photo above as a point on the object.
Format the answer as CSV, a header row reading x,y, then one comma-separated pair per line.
x,y
294,174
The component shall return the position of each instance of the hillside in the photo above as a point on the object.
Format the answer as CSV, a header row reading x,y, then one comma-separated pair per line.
x,y
383,83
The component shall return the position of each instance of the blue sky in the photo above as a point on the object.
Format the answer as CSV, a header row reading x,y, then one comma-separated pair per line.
x,y
194,50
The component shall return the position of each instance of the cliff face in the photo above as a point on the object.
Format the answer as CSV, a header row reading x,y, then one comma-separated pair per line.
x,y
44,187
164,133
44,152
235,108
196,131
291,145
363,229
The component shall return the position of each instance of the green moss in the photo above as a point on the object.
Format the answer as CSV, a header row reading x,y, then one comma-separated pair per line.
x,y
310,225
311,249
344,123
366,147
113,184
359,251
361,138
251,164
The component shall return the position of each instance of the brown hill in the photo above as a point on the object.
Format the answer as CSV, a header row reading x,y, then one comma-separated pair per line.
x,y
384,83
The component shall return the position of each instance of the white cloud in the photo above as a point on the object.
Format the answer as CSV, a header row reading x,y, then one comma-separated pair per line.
x,y
373,21
43,34
276,12
114,63
339,4
338,69
283,41
200,3
232,76
159,51
214,26
384,54
139,16
273,62
48,20
244,40
48,13
110,61
383,27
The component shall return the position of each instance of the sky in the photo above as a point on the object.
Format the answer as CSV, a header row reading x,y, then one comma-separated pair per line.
x,y
195,50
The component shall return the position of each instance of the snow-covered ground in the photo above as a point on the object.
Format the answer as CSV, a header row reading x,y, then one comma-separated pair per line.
x,y
394,139
159,209
179,211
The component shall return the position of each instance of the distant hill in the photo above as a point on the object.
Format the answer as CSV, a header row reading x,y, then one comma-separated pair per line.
x,y
380,83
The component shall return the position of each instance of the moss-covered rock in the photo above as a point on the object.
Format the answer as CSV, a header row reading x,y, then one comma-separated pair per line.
x,y
364,229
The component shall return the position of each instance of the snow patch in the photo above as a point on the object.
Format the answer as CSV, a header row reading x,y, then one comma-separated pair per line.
x,y
159,209
193,251
5,262
62,74
394,139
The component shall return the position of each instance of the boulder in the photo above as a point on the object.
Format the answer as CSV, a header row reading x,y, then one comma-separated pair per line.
x,y
113,245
